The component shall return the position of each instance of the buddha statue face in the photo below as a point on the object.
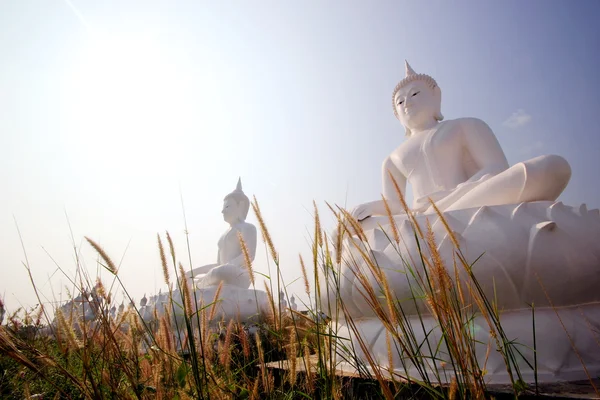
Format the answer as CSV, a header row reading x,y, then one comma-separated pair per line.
x,y
417,105
236,205
232,211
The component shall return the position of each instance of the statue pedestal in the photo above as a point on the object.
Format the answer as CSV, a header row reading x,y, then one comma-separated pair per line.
x,y
542,253
556,359
234,302
243,305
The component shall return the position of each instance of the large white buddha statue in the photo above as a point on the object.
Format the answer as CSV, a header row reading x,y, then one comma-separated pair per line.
x,y
527,248
230,267
458,163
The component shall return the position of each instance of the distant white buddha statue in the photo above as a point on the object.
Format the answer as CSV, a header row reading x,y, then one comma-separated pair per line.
x,y
230,267
458,163
282,302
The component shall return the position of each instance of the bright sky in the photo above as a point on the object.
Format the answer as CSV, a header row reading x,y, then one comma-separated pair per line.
x,y
109,110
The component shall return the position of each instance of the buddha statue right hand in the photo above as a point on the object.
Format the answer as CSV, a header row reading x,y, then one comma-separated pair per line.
x,y
362,211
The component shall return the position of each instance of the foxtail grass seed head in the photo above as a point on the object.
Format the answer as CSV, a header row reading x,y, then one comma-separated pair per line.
x,y
393,225
225,355
399,193
339,239
388,343
356,226
255,394
171,247
215,302
292,349
38,318
163,261
450,231
100,291
67,330
310,381
247,259
108,263
304,275
245,343
318,230
271,302
265,232
186,290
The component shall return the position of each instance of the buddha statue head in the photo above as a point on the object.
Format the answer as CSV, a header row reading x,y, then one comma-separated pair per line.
x,y
236,205
417,101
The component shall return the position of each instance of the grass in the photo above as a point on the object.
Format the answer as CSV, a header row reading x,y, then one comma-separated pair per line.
x,y
196,356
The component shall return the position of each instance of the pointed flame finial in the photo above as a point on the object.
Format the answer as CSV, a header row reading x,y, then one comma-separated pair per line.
x,y
238,187
409,70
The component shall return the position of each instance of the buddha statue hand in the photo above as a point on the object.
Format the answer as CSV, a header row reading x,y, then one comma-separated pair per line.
x,y
362,211
197,272
373,208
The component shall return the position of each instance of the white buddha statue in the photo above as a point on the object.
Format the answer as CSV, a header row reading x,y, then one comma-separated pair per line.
x,y
230,267
458,163
505,219
236,300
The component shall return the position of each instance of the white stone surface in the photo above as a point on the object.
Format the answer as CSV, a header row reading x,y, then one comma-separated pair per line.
x,y
506,215
233,302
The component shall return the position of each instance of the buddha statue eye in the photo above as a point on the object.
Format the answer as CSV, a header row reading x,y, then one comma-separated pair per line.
x,y
400,103
415,93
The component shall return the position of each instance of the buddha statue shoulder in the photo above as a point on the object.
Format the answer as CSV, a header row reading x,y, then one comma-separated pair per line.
x,y
230,267
458,163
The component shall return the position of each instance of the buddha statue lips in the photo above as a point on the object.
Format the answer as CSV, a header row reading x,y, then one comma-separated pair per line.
x,y
529,248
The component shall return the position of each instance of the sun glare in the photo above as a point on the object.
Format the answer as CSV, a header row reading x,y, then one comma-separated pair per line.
x,y
124,96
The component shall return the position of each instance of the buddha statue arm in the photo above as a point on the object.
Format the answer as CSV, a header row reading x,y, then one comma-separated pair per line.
x,y
195,272
480,143
390,173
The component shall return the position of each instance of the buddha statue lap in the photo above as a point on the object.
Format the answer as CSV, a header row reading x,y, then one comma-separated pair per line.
x,y
504,217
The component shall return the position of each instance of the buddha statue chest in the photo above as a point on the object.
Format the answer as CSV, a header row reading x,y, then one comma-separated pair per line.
x,y
435,160
229,246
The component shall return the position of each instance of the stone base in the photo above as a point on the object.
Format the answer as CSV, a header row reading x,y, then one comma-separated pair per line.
x,y
578,327
234,303
542,253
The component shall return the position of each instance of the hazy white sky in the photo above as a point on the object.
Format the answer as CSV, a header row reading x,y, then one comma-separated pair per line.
x,y
108,108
